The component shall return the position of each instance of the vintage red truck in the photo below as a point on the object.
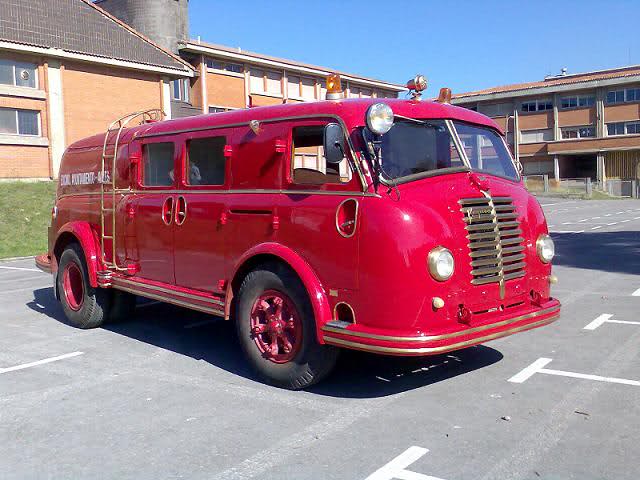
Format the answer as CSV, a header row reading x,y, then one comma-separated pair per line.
x,y
400,227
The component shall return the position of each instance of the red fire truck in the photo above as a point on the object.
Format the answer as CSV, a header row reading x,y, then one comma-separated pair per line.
x,y
400,227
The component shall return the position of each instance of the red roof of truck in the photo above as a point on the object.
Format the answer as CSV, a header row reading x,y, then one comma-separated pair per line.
x,y
352,111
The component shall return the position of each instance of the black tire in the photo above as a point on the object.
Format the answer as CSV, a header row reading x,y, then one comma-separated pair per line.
x,y
123,306
93,304
313,361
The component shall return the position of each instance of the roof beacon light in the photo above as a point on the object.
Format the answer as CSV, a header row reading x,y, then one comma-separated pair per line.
x,y
445,95
334,88
416,86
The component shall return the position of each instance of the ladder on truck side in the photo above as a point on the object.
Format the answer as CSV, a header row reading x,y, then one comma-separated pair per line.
x,y
108,169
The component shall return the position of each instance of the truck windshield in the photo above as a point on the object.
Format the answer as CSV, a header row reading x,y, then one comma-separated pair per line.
x,y
417,148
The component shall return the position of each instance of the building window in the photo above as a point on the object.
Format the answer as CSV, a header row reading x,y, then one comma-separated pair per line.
x,y
627,95
217,109
274,83
180,90
578,132
537,105
20,122
623,128
261,81
578,101
632,128
225,66
615,128
495,109
308,88
535,136
18,74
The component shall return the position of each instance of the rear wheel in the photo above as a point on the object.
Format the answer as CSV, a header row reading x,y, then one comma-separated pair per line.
x,y
276,328
84,305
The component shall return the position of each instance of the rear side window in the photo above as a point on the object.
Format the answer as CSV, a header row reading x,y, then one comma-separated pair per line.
x,y
206,163
158,164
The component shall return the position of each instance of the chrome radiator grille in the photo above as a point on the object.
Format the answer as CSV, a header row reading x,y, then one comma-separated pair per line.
x,y
495,239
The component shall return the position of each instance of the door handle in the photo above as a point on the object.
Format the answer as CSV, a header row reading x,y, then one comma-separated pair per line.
x,y
167,211
181,210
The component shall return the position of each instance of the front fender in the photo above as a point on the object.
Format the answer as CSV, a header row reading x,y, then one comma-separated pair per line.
x,y
87,237
315,290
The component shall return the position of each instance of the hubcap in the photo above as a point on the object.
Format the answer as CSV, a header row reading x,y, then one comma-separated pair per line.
x,y
276,327
73,286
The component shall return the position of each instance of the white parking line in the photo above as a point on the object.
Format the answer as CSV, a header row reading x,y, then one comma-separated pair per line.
x,y
39,362
567,231
596,228
21,268
636,293
397,468
537,367
606,318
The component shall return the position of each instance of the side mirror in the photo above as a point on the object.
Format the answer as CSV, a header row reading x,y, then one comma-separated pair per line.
x,y
334,144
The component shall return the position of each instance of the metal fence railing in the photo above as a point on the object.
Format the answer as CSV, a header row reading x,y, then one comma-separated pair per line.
x,y
622,188
563,186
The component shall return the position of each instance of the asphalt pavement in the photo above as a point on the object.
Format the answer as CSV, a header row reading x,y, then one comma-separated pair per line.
x,y
168,394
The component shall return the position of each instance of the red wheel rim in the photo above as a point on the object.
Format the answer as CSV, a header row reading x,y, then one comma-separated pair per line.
x,y
276,327
73,286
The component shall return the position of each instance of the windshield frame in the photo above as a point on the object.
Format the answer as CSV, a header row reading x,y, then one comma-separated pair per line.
x,y
461,153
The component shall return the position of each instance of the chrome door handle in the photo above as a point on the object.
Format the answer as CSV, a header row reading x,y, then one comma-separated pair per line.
x,y
167,211
181,210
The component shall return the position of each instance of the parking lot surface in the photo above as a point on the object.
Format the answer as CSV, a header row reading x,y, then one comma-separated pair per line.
x,y
168,394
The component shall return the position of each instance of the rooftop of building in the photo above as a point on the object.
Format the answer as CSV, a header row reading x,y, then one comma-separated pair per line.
x,y
80,28
240,54
556,82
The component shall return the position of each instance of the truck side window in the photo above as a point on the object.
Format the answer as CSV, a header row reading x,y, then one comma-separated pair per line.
x,y
206,161
157,170
308,162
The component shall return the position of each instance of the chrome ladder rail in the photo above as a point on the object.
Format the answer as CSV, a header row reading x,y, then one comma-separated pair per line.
x,y
117,126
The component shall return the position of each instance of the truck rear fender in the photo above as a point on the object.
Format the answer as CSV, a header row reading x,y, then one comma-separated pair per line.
x,y
266,252
82,233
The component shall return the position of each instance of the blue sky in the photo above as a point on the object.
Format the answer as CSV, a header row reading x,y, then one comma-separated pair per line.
x,y
465,45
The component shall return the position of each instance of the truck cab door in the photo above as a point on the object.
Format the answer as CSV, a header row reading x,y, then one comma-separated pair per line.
x,y
200,207
320,208
152,211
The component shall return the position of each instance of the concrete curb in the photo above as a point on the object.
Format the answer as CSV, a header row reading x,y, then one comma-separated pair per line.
x,y
12,259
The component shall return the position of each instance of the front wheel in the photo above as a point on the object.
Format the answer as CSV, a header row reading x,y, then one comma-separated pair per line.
x,y
84,306
276,328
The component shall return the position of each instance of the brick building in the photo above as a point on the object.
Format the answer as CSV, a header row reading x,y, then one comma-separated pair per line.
x,y
230,78
567,126
68,68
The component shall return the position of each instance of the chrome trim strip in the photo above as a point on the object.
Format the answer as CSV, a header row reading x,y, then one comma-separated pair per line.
x,y
440,349
389,338
170,300
236,191
116,280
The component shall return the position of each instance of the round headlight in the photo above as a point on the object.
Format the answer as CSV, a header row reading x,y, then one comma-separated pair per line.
x,y
545,248
441,264
379,118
